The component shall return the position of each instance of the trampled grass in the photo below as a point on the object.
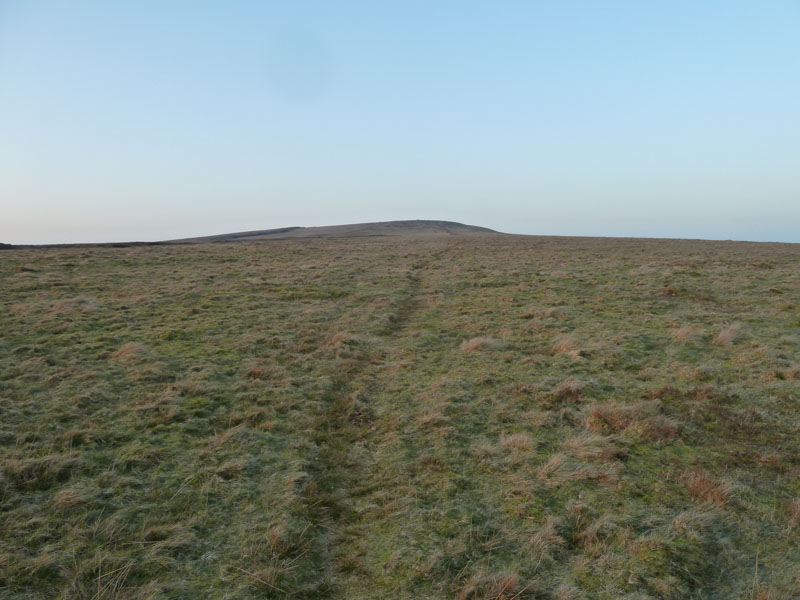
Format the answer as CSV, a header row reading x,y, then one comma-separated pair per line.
x,y
465,417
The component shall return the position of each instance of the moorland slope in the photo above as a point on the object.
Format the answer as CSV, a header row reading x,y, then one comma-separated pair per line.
x,y
469,417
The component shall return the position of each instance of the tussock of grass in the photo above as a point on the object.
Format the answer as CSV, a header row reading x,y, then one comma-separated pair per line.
x,y
639,419
792,509
669,290
40,473
541,418
79,304
687,333
129,352
545,543
483,451
729,335
566,591
792,372
570,390
517,442
68,498
553,469
694,522
565,344
594,447
480,343
544,313
560,470
703,488
495,586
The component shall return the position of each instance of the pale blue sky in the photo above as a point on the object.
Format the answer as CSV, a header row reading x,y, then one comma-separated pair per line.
x,y
159,119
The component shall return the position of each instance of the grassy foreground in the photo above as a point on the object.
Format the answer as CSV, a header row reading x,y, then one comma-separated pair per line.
x,y
449,417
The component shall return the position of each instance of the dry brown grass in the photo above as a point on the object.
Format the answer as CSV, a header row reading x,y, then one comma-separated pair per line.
x,y
591,446
130,352
768,592
729,335
705,489
546,541
565,344
591,532
494,586
80,304
39,473
344,345
655,429
792,372
431,462
552,469
433,419
32,366
19,309
544,313
77,437
687,333
68,498
566,591
272,374
669,290
641,419
257,417
483,451
560,469
569,390
792,510
232,468
541,418
694,522
705,392
481,343
666,392
169,536
517,442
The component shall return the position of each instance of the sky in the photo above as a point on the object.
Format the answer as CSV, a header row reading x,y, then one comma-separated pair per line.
x,y
156,120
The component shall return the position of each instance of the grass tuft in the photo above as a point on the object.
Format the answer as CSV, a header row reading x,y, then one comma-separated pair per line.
x,y
729,335
687,333
565,344
705,489
517,442
130,352
480,343
640,419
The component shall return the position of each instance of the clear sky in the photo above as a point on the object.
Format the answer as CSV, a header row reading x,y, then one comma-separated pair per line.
x,y
160,119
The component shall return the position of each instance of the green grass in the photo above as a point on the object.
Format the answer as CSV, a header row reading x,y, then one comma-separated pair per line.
x,y
445,417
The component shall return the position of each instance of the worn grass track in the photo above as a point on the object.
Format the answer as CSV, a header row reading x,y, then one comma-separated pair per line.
x,y
455,417
344,432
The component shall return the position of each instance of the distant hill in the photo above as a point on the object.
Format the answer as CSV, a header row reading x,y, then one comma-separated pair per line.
x,y
386,228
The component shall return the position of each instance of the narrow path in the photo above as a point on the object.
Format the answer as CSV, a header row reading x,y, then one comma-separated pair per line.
x,y
342,433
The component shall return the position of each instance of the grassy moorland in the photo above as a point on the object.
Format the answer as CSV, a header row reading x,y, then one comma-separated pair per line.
x,y
466,417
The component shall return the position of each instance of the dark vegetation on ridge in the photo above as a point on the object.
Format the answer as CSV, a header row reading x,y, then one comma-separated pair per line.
x,y
385,228
429,416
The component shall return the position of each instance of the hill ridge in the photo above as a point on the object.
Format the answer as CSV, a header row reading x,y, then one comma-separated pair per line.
x,y
378,228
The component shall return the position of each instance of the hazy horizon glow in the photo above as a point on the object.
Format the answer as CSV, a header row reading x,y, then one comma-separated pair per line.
x,y
151,120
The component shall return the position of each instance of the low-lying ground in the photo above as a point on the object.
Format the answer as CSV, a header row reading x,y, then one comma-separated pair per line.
x,y
445,417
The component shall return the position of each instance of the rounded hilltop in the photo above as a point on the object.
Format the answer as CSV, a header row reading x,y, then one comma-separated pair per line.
x,y
384,228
